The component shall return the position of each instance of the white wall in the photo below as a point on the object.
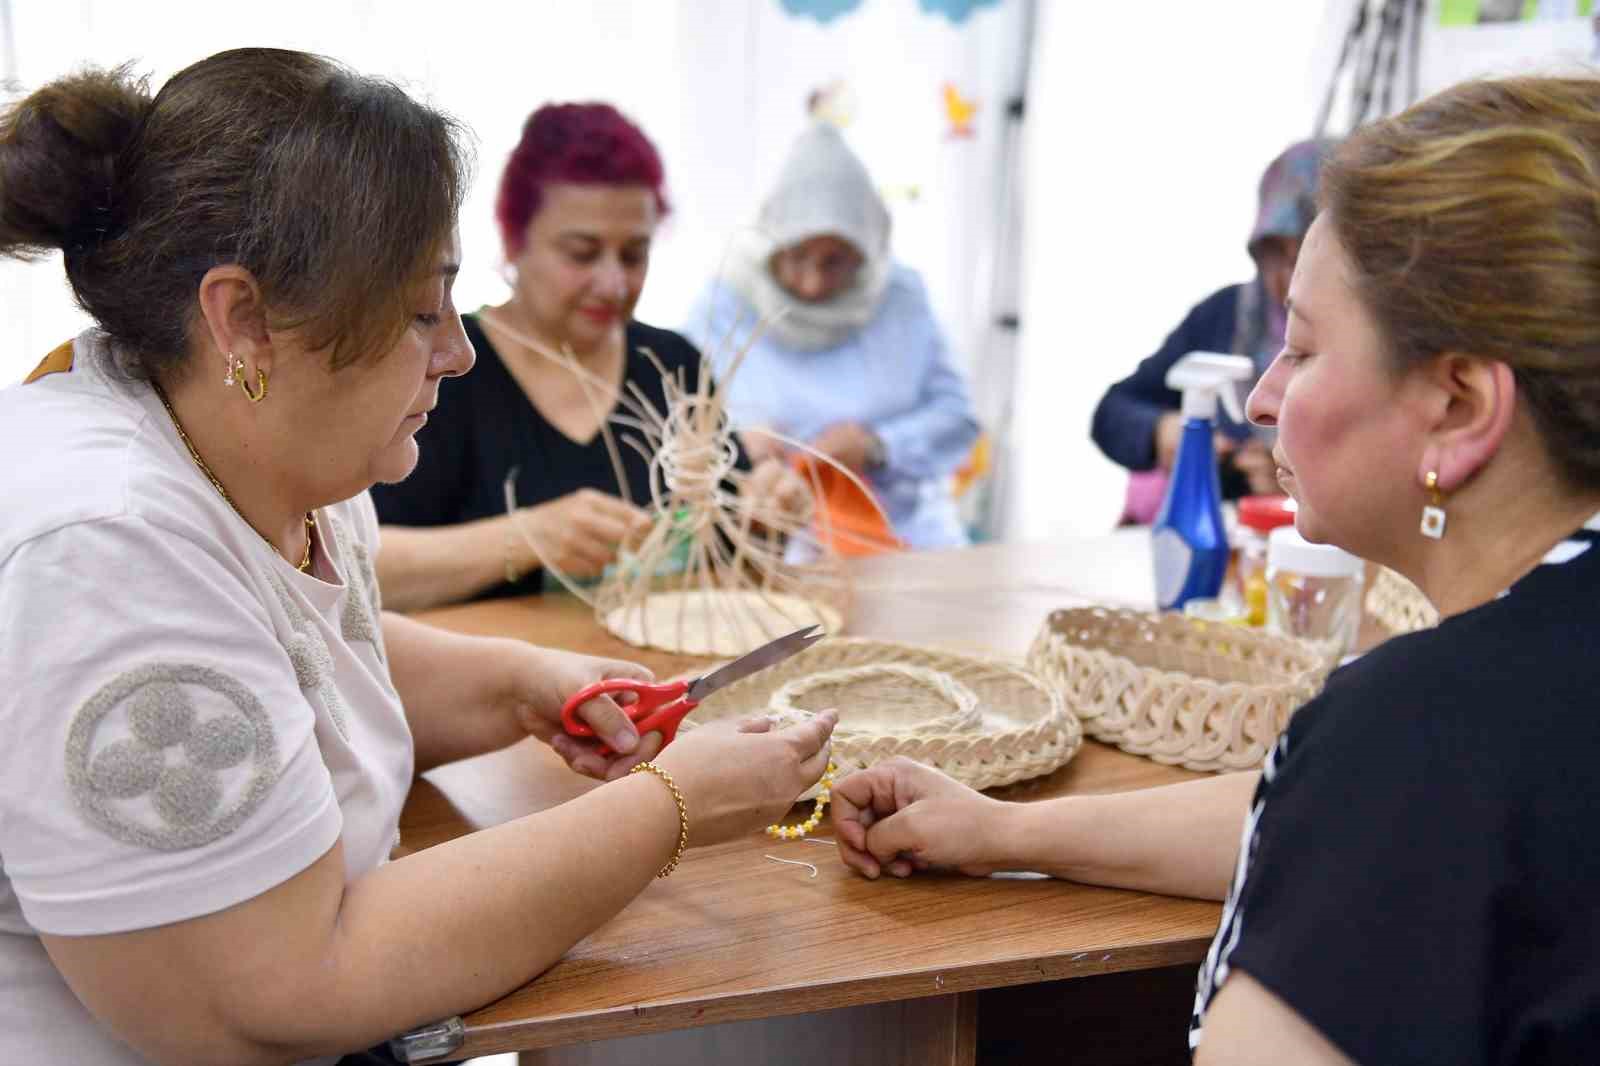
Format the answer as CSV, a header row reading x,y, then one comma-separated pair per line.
x,y
1148,129
487,63
1148,126
719,85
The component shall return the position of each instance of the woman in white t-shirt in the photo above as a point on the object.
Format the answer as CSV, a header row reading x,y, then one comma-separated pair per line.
x,y
208,726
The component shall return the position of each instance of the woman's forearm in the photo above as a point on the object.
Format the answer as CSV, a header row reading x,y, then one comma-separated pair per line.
x,y
448,683
1179,840
488,912
316,966
427,567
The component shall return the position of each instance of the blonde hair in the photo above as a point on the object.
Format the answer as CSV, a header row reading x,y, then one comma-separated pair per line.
x,y
1472,224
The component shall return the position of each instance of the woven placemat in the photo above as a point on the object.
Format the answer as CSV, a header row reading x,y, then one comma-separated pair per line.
x,y
717,621
1201,695
983,721
1398,605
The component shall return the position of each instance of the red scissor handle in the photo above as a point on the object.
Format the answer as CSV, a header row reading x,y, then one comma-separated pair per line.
x,y
657,708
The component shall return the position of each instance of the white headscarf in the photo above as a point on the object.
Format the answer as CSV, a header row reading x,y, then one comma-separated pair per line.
x,y
822,189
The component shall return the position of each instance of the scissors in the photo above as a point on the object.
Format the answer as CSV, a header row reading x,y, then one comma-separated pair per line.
x,y
659,708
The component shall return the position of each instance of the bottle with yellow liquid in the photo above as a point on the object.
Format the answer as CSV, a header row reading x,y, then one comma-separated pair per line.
x,y
1258,516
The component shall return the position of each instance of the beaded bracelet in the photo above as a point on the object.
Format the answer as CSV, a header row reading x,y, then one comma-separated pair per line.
x,y
683,813
796,832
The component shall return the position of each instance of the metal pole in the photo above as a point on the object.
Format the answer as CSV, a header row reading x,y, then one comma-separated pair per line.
x,y
1418,12
1352,38
10,81
995,370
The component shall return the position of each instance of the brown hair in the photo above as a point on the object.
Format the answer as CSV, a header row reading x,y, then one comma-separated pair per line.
x,y
335,190
1472,224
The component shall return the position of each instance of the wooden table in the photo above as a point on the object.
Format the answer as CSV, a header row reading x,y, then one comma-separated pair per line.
x,y
836,968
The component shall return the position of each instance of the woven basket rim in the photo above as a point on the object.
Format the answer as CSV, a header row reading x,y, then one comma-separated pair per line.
x,y
1045,735
1398,604
830,616
1169,715
1315,659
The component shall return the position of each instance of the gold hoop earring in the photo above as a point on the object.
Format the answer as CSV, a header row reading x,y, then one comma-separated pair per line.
x,y
1433,517
261,386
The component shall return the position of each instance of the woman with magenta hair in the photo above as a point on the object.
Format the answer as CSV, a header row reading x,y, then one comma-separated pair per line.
x,y
578,206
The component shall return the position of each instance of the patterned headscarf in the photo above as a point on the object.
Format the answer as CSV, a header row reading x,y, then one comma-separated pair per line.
x,y
1287,204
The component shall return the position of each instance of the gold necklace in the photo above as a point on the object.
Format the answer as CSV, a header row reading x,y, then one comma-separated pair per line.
x,y
311,523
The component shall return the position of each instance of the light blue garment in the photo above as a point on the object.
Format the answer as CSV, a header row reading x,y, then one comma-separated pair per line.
x,y
893,375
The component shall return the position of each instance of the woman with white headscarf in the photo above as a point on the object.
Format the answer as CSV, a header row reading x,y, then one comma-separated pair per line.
x,y
851,358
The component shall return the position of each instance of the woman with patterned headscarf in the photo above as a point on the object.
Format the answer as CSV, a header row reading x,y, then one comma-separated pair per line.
x,y
1138,423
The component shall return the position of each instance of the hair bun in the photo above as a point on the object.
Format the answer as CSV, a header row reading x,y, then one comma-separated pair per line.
x,y
59,148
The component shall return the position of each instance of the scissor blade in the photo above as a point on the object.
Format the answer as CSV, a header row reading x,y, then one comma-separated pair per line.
x,y
768,654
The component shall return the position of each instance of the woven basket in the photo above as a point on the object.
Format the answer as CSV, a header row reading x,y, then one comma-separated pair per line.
x,y
1398,605
982,721
714,622
1204,696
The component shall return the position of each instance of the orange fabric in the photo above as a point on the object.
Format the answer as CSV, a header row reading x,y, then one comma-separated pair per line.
x,y
57,362
977,465
848,520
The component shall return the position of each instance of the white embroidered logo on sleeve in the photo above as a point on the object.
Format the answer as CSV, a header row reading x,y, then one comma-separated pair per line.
x,y
313,662
361,593
145,766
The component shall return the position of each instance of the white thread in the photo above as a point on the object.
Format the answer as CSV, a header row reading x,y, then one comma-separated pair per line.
x,y
793,862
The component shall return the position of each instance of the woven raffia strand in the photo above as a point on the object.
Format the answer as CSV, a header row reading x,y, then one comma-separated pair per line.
x,y
716,621
1398,605
983,721
1201,695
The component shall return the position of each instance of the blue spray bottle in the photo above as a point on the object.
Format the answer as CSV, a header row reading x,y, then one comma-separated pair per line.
x,y
1189,541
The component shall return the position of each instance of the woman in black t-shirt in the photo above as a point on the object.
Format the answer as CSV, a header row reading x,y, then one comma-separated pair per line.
x,y
1416,879
578,206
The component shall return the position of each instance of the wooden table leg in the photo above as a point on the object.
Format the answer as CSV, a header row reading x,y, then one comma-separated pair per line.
x,y
934,1031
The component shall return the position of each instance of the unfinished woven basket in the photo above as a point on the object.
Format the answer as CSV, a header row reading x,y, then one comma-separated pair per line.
x,y
1399,605
1204,696
982,721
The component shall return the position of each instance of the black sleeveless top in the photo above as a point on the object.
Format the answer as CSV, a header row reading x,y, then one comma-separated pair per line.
x,y
485,425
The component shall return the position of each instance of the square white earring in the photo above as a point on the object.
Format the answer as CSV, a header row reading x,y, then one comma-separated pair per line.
x,y
1433,522
1432,513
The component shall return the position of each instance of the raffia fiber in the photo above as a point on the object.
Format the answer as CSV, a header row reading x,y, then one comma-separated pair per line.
x,y
1398,605
983,721
1201,695
722,568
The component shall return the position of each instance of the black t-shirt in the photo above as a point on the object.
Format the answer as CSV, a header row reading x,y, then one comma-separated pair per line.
x,y
1420,873
484,425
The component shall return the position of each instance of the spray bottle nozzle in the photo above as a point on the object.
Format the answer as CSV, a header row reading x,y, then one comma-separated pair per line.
x,y
1202,377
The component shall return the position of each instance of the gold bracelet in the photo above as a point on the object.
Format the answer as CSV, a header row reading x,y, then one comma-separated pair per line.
x,y
683,813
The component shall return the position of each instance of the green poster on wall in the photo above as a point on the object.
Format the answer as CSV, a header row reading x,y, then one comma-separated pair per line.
x,y
1486,12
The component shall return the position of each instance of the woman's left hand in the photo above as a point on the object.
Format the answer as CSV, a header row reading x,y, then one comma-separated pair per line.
x,y
774,491
899,816
848,443
540,684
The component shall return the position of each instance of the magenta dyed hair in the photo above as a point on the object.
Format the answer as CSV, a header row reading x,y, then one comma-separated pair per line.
x,y
585,144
